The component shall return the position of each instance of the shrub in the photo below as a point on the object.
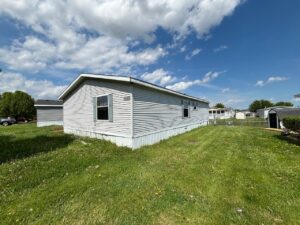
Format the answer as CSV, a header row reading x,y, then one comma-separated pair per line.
x,y
292,123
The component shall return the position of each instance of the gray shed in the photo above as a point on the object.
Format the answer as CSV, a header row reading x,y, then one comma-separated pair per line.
x,y
128,111
276,116
49,112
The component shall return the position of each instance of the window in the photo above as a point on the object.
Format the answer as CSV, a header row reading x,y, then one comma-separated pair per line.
x,y
222,111
185,111
185,108
102,108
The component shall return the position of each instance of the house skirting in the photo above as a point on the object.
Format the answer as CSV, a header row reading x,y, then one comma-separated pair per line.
x,y
137,141
49,123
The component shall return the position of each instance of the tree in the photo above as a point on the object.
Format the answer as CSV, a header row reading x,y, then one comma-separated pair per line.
x,y
6,104
17,104
284,104
219,105
260,104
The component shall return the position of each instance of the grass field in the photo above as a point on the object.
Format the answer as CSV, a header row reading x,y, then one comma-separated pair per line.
x,y
212,175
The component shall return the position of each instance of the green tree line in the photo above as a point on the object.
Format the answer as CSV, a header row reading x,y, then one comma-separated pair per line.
x,y
16,104
260,104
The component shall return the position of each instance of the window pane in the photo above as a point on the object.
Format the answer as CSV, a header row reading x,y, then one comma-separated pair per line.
x,y
185,112
102,113
102,101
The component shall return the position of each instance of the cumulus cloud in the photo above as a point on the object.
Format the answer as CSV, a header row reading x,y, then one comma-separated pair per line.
x,y
159,76
193,53
261,83
37,88
220,48
98,35
183,85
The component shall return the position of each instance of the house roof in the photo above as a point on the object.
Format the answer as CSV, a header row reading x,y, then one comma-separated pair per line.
x,y
284,112
48,103
126,79
277,107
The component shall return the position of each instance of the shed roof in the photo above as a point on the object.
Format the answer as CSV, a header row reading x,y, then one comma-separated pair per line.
x,y
48,103
127,79
282,113
276,107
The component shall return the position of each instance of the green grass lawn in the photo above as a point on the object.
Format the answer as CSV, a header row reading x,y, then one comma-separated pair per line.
x,y
212,175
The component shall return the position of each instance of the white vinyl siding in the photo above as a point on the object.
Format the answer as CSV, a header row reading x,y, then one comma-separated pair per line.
x,y
79,112
45,114
156,111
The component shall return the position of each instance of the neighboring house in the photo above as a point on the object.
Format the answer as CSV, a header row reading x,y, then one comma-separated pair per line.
x,y
276,116
128,111
221,113
248,113
49,112
264,113
240,116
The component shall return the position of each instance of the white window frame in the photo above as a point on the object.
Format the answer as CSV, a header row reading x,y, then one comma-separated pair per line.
x,y
99,96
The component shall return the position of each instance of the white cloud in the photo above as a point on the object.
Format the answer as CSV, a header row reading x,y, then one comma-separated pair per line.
x,y
113,27
159,76
225,90
193,53
183,85
271,79
220,48
183,49
36,88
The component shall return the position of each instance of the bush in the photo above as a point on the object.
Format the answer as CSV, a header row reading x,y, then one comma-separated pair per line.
x,y
292,123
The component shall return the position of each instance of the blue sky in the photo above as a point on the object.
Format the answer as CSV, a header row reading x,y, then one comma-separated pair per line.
x,y
230,51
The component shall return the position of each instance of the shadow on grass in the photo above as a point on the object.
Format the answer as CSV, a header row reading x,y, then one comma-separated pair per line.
x,y
11,149
289,139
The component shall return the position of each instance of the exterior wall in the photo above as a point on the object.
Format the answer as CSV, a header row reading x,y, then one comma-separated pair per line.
x,y
148,116
137,142
79,112
47,116
263,113
155,111
226,115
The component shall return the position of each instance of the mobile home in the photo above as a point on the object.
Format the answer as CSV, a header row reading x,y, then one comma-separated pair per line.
x,y
128,111
49,112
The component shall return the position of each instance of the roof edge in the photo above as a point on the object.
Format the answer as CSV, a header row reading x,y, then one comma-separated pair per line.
x,y
40,105
125,79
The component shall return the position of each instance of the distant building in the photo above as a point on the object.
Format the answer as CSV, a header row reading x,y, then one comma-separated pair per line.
x,y
240,116
221,113
49,112
277,115
264,113
248,113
